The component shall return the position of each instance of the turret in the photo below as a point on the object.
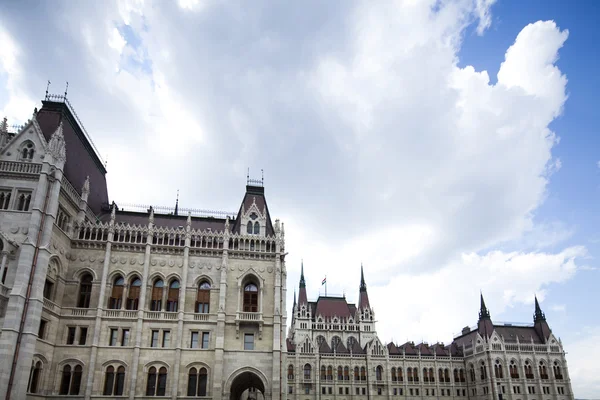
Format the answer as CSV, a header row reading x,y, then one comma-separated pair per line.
x,y
302,299
363,300
539,322
484,325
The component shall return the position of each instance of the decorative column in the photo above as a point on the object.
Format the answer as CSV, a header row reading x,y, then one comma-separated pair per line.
x,y
100,309
277,304
24,311
141,308
3,265
85,192
181,306
218,380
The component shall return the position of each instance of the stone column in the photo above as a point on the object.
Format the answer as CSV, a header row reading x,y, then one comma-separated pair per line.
x,y
24,309
218,378
277,311
181,308
100,309
142,307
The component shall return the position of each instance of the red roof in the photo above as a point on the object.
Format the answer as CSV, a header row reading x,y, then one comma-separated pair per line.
x,y
330,307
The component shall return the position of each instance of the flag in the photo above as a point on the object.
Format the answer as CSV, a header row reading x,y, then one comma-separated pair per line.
x,y
324,281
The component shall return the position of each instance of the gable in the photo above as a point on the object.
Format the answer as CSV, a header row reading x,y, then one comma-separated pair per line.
x,y
29,144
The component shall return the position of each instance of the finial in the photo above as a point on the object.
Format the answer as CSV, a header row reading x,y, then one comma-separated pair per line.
x,y
47,87
177,204
151,218
4,126
484,313
248,176
56,146
302,281
189,219
262,176
66,89
113,213
227,224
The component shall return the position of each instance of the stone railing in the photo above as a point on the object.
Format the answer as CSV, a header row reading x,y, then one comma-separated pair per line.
x,y
79,312
249,316
129,314
49,304
4,290
161,315
18,167
201,317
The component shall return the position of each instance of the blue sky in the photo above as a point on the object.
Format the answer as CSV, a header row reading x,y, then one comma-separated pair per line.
x,y
381,137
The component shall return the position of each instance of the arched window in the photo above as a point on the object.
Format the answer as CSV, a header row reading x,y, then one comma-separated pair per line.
x,y
202,381
249,228
34,378
197,382
173,296
409,374
157,292
498,373
330,373
203,298
346,373
256,228
85,291
425,375
250,298
23,201
114,386
557,371
528,370
151,384
456,378
416,374
356,374
394,377
334,342
65,381
340,373
76,380
400,376
161,385
116,297
4,199
483,371
543,371
363,374
27,151
307,371
441,375
471,372
323,372
290,372
513,370
133,295
461,374
431,375
379,373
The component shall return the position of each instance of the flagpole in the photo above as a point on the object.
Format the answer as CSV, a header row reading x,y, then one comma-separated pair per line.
x,y
325,285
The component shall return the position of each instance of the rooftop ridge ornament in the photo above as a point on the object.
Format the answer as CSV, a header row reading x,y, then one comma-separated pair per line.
x,y
196,212
255,182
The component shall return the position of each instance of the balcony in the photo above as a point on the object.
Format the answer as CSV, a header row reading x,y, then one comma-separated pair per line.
x,y
124,314
161,315
246,317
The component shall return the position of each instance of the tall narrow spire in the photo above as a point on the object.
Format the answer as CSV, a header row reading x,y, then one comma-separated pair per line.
x,y
484,313
177,204
539,315
294,306
302,299
363,298
485,325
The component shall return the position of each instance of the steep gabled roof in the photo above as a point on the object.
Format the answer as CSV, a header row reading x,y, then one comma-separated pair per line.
x,y
392,349
330,307
424,349
341,349
324,348
356,349
254,194
409,349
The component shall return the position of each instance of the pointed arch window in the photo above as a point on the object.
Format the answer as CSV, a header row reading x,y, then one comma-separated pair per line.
x,y
251,298
4,199
498,372
425,375
340,373
513,370
363,374
356,374
557,371
203,298
65,381
307,371
157,383
290,372
157,293
173,296
543,371
70,382
431,375
109,381
85,291
323,373
256,228
116,297
27,151
197,382
330,373
379,373
346,373
34,377
461,374
249,227
133,295
23,200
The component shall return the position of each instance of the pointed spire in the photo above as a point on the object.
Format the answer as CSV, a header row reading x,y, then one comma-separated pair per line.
x,y
113,213
484,313
4,125
302,298
151,217
363,299
539,315
363,285
177,204
56,145
294,306
189,219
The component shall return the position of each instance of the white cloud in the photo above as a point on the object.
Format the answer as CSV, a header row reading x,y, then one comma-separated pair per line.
x,y
583,367
116,41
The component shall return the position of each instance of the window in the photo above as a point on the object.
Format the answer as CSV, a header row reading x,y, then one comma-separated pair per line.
x,y
197,382
62,219
330,373
323,373
133,296
5,201
154,339
248,341
34,376
27,151
290,389
205,338
340,374
249,228
379,373
166,340
85,291
114,334
363,374
42,329
483,371
82,335
23,200
251,298
48,289
161,387
157,383
256,228
498,370
346,373
157,291
356,374
71,332
203,298
125,337
173,296
543,371
528,370
290,372
307,371
116,297
557,371
194,340
70,383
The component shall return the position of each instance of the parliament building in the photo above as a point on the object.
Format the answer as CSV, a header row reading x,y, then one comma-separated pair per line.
x,y
99,301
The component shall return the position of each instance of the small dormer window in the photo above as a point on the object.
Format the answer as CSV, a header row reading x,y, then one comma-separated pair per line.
x,y
27,151
253,226
253,216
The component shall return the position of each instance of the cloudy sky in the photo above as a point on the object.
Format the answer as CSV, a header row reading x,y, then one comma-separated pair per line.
x,y
450,147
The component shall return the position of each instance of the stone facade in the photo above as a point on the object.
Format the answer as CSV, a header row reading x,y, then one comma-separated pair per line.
x,y
100,302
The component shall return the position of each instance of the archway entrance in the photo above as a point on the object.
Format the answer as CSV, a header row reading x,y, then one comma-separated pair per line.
x,y
247,386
